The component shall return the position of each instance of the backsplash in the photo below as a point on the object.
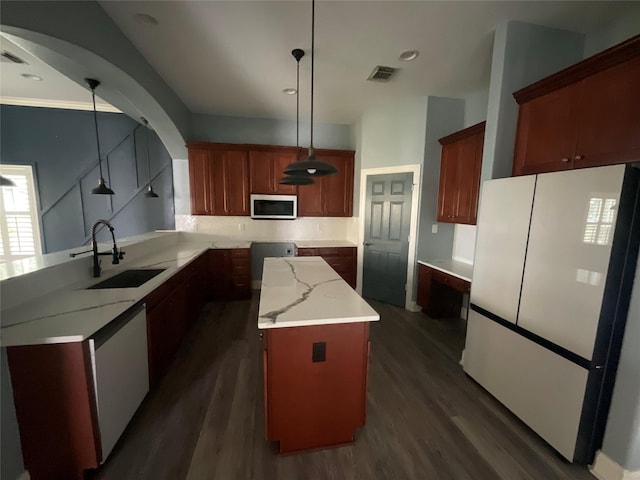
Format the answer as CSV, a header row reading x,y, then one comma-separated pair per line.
x,y
307,228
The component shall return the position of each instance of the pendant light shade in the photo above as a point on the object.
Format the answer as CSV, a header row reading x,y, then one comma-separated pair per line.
x,y
297,179
102,188
6,182
310,167
149,193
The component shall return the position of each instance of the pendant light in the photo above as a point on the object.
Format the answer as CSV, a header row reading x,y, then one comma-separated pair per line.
x,y
295,179
101,189
310,166
7,182
150,193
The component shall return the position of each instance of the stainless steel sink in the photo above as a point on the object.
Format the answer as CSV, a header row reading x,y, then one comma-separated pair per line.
x,y
128,279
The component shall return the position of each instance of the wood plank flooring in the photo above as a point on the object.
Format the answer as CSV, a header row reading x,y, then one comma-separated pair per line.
x,y
425,418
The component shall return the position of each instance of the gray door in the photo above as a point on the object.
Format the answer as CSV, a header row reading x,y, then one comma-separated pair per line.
x,y
386,237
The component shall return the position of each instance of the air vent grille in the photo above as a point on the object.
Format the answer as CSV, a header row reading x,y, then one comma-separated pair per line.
x,y
382,74
7,57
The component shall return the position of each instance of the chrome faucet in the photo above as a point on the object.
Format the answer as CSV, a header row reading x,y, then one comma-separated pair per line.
x,y
117,254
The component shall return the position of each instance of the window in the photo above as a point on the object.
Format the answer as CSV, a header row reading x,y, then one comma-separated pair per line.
x,y
19,229
600,217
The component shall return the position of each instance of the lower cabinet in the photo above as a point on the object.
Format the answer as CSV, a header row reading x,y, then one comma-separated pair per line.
x,y
230,274
74,400
342,259
315,384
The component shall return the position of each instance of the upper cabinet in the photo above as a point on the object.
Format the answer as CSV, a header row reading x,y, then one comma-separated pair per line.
x,y
219,179
265,169
330,196
460,167
583,116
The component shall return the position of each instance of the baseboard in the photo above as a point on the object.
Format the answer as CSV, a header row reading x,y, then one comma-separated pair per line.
x,y
413,307
24,476
605,468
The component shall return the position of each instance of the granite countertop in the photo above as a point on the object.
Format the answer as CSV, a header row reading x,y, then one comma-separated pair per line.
x,y
452,267
303,291
73,313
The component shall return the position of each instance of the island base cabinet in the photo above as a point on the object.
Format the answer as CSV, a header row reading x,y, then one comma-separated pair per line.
x,y
55,409
315,384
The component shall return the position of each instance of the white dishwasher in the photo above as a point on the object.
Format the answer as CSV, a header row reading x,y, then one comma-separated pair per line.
x,y
120,373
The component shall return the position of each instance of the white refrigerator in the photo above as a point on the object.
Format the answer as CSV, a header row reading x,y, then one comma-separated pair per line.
x,y
553,272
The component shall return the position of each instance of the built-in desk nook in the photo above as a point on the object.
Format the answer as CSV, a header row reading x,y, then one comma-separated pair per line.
x,y
441,286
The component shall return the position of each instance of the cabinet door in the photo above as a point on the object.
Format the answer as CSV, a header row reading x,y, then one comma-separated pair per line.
x,y
218,268
337,190
280,162
609,116
424,286
546,134
310,199
469,165
236,187
261,172
199,182
448,190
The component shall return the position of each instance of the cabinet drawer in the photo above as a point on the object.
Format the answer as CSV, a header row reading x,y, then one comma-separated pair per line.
x,y
451,281
339,263
339,251
307,252
240,268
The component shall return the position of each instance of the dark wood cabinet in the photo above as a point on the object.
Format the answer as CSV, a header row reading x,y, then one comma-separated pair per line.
x,y
583,116
330,196
265,169
460,168
315,402
219,179
342,259
221,176
439,293
230,273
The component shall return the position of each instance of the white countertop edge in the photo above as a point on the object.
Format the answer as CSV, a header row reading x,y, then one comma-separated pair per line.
x,y
267,324
448,272
324,244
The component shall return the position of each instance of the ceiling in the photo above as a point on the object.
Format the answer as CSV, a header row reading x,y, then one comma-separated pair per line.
x,y
233,57
54,90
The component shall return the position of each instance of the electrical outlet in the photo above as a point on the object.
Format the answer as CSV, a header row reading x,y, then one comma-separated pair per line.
x,y
434,228
241,227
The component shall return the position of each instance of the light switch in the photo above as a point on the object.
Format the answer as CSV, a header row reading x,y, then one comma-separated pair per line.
x,y
434,228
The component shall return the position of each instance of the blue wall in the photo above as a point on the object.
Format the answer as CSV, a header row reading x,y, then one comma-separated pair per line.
x,y
61,146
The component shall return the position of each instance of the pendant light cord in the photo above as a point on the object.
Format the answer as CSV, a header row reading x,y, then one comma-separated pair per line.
x,y
297,106
146,124
313,30
95,121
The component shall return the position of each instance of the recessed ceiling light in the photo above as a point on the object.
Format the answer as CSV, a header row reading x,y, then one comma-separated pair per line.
x,y
146,19
289,91
30,76
409,55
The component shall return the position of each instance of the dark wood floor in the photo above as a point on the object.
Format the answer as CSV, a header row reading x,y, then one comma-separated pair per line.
x,y
425,418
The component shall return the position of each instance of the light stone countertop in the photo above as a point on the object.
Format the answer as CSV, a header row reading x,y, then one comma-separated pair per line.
x,y
304,291
452,267
73,313
323,244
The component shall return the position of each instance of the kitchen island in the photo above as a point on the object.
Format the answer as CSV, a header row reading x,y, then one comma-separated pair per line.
x,y
316,353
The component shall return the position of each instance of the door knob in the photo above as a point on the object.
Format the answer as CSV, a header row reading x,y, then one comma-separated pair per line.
x,y
366,244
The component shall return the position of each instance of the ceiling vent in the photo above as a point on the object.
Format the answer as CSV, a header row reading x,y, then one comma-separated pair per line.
x,y
382,74
7,57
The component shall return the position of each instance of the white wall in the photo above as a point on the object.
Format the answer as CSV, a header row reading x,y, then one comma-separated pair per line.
x,y
393,134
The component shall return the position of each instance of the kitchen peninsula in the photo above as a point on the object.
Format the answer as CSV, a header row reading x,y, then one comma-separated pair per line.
x,y
316,353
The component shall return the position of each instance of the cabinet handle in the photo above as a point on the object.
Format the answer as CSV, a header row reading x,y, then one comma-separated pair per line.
x,y
565,160
578,157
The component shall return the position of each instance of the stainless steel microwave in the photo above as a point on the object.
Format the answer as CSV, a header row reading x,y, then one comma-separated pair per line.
x,y
279,207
